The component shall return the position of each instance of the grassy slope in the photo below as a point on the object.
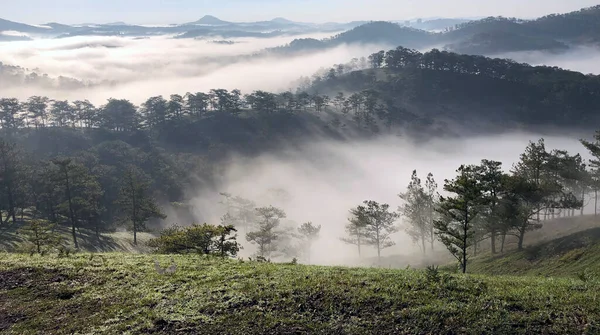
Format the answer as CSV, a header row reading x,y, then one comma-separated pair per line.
x,y
571,255
123,293
11,241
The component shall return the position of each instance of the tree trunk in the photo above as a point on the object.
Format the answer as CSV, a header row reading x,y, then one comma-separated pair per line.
x,y
133,208
358,241
423,244
502,243
582,201
432,236
11,203
493,241
521,237
465,235
378,248
596,202
97,224
71,213
37,241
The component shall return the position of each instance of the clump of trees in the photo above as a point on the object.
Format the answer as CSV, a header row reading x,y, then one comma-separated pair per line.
x,y
202,239
371,224
483,202
77,191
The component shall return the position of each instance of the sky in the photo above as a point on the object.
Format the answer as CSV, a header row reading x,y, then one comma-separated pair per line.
x,y
179,11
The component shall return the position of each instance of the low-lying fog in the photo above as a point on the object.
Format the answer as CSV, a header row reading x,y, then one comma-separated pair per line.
x,y
324,179
162,66
580,59
142,68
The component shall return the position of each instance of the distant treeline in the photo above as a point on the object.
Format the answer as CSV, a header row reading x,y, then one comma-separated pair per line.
x,y
439,84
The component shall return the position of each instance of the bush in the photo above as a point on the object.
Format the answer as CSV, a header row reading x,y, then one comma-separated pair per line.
x,y
40,236
203,239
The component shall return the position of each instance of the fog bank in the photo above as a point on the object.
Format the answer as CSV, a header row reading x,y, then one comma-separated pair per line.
x,y
140,68
322,180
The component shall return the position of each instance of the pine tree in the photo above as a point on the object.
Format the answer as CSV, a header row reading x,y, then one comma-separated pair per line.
x,y
415,211
309,233
455,227
380,225
136,204
355,229
41,234
266,236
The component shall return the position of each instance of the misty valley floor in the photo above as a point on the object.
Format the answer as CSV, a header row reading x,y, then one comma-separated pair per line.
x,y
123,293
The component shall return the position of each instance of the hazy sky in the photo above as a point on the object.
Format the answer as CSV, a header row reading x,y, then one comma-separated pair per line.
x,y
177,11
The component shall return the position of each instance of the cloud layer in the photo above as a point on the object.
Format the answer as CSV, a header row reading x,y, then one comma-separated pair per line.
x,y
145,67
324,179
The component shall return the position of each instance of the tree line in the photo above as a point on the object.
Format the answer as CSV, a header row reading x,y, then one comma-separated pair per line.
x,y
436,84
75,191
480,208
484,203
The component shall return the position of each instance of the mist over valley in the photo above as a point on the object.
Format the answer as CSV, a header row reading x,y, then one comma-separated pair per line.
x,y
328,170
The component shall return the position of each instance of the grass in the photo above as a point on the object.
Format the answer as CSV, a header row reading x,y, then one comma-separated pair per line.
x,y
118,293
569,256
11,241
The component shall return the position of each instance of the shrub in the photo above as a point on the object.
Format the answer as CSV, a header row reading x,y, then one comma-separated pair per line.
x,y
203,239
40,236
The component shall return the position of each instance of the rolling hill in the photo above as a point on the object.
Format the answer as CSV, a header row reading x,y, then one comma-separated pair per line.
x,y
563,248
472,92
123,293
6,25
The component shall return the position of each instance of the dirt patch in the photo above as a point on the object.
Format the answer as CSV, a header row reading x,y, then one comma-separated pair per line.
x,y
8,317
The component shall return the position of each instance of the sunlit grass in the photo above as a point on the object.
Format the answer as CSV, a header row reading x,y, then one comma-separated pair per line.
x,y
123,293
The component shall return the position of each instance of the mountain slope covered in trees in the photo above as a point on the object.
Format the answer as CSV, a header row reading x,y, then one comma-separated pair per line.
x,y
462,89
488,36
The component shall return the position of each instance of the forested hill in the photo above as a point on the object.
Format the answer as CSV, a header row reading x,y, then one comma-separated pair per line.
x,y
467,90
378,32
579,26
488,36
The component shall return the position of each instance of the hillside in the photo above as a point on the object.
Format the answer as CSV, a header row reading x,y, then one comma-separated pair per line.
x,y
488,36
6,25
12,241
497,42
573,255
462,91
211,296
581,26
378,32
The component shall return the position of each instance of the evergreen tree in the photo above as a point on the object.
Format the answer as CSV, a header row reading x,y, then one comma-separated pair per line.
x,y
355,229
266,236
455,227
309,233
415,212
40,233
380,225
136,203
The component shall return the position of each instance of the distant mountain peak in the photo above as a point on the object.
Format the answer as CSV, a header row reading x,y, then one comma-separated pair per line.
x,y
281,20
211,20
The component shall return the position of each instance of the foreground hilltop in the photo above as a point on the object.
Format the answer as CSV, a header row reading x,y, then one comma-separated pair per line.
x,y
124,293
